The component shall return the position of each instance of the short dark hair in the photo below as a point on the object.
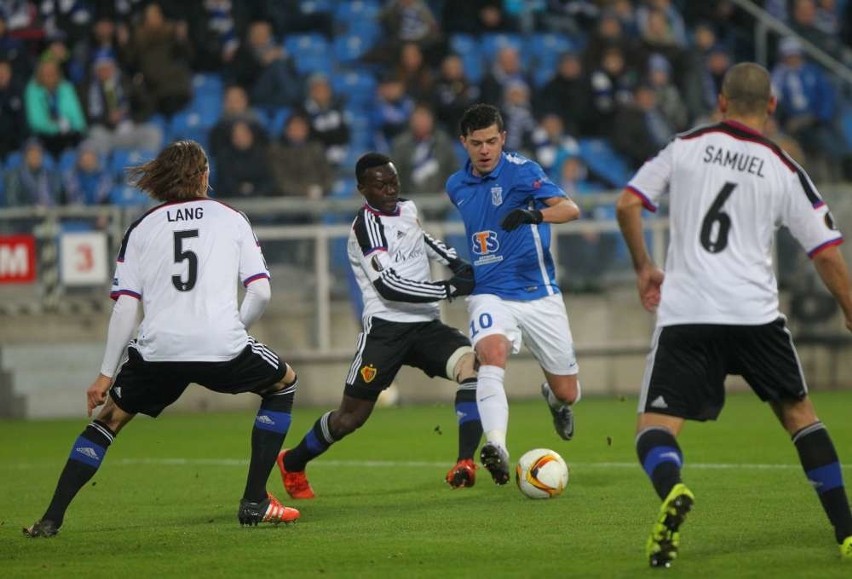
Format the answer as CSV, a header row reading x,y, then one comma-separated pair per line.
x,y
748,88
480,116
368,161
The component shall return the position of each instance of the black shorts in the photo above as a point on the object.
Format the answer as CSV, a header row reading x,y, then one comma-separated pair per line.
x,y
149,387
688,364
386,346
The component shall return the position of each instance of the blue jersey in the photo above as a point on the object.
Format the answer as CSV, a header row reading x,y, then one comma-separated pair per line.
x,y
514,265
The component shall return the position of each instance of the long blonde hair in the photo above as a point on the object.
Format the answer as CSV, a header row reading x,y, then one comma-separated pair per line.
x,y
176,173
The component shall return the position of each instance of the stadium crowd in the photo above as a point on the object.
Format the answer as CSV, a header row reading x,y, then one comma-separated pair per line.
x,y
286,94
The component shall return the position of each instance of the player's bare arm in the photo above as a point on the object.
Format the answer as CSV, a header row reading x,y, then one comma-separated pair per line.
x,y
560,210
834,273
649,278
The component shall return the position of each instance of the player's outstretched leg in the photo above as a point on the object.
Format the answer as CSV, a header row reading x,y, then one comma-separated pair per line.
x,y
563,416
462,475
496,461
269,510
665,536
295,482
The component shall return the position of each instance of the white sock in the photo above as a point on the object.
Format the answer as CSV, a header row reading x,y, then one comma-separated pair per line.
x,y
492,404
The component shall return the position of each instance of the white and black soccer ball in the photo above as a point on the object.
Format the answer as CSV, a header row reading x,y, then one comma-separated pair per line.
x,y
541,473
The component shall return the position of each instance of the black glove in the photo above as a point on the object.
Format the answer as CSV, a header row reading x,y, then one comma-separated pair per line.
x,y
459,286
461,268
517,217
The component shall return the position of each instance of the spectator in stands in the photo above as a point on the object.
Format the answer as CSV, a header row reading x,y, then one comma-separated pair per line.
x,y
518,119
392,109
294,16
243,169
669,100
453,93
572,17
612,83
108,102
411,21
33,183
13,125
791,146
657,36
610,33
235,108
567,94
161,52
265,70
329,122
476,17
88,181
298,162
213,32
641,128
415,72
691,80
805,21
53,110
586,256
717,61
13,50
506,67
807,109
549,140
423,154
662,21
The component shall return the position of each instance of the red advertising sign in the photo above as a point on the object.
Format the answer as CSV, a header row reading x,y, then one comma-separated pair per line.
x,y
17,259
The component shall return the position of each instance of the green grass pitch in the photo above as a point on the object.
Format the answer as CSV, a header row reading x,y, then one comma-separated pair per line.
x,y
164,503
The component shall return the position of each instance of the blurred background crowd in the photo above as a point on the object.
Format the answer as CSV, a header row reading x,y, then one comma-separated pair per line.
x,y
286,94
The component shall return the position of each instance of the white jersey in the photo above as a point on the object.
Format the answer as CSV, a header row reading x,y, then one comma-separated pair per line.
x,y
394,252
729,189
184,260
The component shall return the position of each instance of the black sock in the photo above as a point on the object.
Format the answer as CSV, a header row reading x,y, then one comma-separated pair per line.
x,y
314,443
822,467
86,456
661,458
470,426
270,428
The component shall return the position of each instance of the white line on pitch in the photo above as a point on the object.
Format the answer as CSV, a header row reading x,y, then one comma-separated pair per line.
x,y
401,463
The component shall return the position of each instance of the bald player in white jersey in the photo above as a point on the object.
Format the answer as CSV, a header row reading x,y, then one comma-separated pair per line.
x,y
179,266
729,190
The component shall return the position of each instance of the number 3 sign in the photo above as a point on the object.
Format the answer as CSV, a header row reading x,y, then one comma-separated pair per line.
x,y
83,258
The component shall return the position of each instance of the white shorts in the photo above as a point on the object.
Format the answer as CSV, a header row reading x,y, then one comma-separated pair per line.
x,y
541,324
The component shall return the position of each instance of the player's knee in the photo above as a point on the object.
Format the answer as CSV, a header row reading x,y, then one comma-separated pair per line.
x,y
461,366
493,350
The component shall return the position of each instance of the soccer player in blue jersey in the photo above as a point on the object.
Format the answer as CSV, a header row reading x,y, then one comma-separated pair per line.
x,y
507,204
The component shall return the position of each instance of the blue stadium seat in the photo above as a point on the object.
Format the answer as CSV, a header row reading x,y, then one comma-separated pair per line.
x,y
351,46
189,124
13,160
355,13
128,196
543,53
468,48
311,52
605,162
846,125
311,6
492,42
207,81
277,117
67,160
356,87
123,158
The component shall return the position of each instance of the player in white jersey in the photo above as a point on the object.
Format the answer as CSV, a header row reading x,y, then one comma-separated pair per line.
x,y
390,255
179,266
729,189
507,204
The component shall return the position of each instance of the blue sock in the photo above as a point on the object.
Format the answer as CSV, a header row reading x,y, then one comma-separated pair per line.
x,y
317,440
470,425
661,458
270,428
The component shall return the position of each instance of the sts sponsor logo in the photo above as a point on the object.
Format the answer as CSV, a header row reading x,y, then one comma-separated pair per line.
x,y
484,246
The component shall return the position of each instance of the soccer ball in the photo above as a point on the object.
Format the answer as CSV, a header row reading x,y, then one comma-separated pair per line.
x,y
541,473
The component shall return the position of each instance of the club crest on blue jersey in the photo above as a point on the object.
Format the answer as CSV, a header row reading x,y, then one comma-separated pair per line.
x,y
484,242
497,196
